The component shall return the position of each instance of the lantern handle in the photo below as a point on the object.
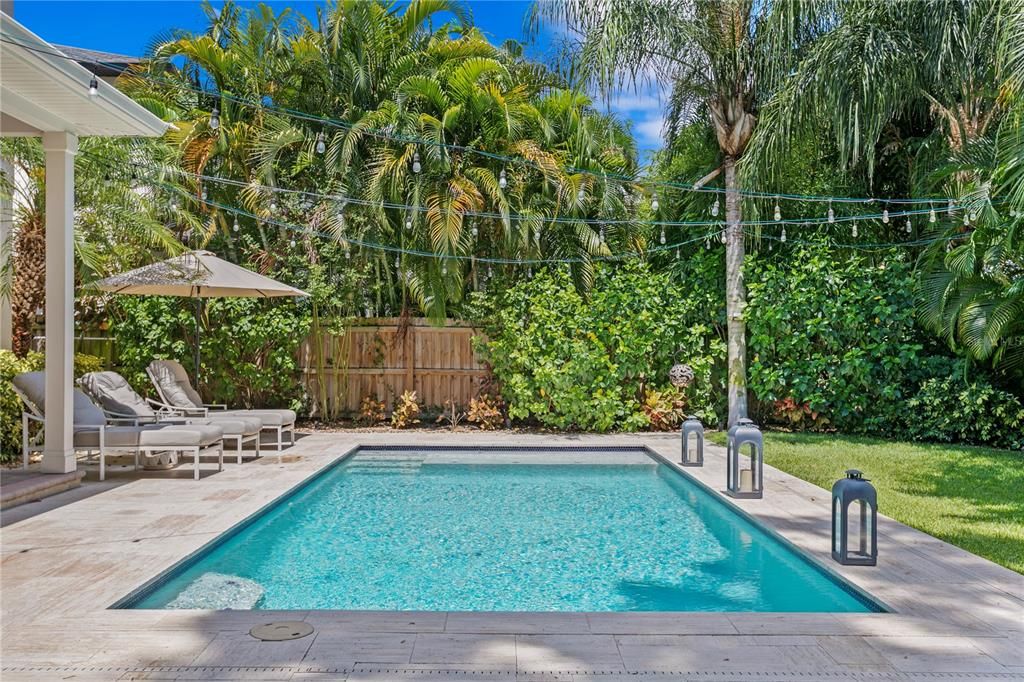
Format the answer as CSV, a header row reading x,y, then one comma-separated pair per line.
x,y
856,474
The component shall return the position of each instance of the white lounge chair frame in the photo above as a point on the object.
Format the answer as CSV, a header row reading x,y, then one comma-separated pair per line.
x,y
30,415
204,411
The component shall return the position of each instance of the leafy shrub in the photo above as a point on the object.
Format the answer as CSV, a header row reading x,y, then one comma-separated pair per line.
x,y
10,404
571,362
371,410
406,412
951,409
834,337
798,416
485,412
665,409
249,346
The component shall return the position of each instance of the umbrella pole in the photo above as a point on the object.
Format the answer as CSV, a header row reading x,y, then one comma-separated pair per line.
x,y
199,313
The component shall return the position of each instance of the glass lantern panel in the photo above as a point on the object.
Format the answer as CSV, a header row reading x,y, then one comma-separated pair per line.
x,y
856,531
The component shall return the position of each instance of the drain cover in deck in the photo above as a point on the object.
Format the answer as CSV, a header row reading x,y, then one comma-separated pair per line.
x,y
281,630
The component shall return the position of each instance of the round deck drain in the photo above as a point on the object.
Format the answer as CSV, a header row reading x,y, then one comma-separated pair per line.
x,y
281,630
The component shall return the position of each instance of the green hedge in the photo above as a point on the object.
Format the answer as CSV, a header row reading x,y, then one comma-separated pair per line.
x,y
571,362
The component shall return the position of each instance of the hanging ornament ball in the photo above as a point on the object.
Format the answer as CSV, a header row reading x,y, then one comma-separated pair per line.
x,y
681,375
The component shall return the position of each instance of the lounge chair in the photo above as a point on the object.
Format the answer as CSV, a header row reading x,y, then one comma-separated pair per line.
x,y
118,399
94,432
174,388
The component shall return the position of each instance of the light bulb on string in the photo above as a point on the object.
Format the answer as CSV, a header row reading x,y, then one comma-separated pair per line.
x,y
677,253
601,234
974,216
654,202
476,230
724,238
502,179
581,195
444,269
854,230
490,272
931,214
234,227
273,206
662,239
910,227
529,272
94,86
778,212
204,194
536,235
966,221
831,213
949,246
293,242
215,118
715,207
416,165
398,263
408,221
707,242
782,237
348,253
950,208
321,143
885,215
770,245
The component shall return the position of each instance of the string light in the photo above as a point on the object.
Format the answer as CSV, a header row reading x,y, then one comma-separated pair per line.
x,y
677,253
408,220
416,165
853,231
321,143
910,227
885,215
662,240
601,234
782,237
94,86
949,209
234,227
203,194
966,221
831,213
390,136
724,238
715,208
707,243
778,211
931,214
581,195
476,231
444,269
215,118
502,179
654,202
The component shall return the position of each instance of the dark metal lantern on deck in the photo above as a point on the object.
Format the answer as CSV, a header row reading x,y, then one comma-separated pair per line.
x,y
744,482
692,426
859,548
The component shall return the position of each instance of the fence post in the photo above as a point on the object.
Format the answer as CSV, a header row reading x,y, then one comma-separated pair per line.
x,y
409,355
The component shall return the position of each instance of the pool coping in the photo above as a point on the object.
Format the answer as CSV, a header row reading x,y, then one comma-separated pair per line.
x,y
952,613
140,593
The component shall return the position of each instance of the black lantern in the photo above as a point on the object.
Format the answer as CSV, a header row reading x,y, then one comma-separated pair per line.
x,y
693,426
859,548
745,482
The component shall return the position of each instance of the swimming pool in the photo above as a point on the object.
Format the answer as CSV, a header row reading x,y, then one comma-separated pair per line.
x,y
500,530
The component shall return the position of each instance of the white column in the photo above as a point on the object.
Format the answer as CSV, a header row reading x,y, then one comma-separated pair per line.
x,y
6,242
58,453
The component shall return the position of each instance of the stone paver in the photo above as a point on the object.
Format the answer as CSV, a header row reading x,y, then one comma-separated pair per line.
x,y
953,614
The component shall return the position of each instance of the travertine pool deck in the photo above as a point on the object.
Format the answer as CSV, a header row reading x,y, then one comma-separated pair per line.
x,y
954,615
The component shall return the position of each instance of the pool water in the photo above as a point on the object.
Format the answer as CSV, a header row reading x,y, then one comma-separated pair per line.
x,y
503,531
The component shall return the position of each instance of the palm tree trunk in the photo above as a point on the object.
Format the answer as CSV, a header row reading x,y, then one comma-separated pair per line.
x,y
28,293
735,296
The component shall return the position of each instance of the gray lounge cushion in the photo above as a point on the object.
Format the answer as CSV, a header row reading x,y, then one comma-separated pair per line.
x,y
172,381
268,417
114,394
167,436
32,385
234,425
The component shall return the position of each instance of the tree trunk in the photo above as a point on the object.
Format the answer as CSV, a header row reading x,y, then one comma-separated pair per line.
x,y
735,296
28,292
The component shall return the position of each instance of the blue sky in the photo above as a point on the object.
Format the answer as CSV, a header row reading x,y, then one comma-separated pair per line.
x,y
129,26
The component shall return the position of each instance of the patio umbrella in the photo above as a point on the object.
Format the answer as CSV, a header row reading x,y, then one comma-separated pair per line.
x,y
198,275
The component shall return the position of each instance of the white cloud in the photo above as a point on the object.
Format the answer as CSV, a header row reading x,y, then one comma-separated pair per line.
x,y
648,131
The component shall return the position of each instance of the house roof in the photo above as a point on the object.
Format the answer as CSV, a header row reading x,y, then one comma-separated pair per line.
x,y
107,64
42,88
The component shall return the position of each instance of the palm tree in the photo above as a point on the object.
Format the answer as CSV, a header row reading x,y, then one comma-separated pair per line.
x,y
956,66
720,57
117,226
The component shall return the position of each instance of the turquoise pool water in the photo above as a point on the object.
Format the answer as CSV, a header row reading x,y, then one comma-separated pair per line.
x,y
502,531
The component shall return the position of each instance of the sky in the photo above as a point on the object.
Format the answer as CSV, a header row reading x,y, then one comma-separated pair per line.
x,y
130,26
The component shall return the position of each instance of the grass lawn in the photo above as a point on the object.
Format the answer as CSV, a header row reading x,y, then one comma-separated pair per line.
x,y
969,496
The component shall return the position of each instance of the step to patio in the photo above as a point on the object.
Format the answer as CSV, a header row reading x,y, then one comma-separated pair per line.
x,y
18,486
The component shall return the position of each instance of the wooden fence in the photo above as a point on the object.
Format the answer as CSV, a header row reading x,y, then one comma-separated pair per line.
x,y
384,357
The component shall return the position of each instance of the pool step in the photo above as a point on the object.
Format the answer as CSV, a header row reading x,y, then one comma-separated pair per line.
x,y
384,465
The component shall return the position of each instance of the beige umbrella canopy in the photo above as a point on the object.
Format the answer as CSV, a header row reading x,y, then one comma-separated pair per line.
x,y
198,275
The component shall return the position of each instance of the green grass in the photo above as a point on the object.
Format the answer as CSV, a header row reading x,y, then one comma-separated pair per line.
x,y
971,497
